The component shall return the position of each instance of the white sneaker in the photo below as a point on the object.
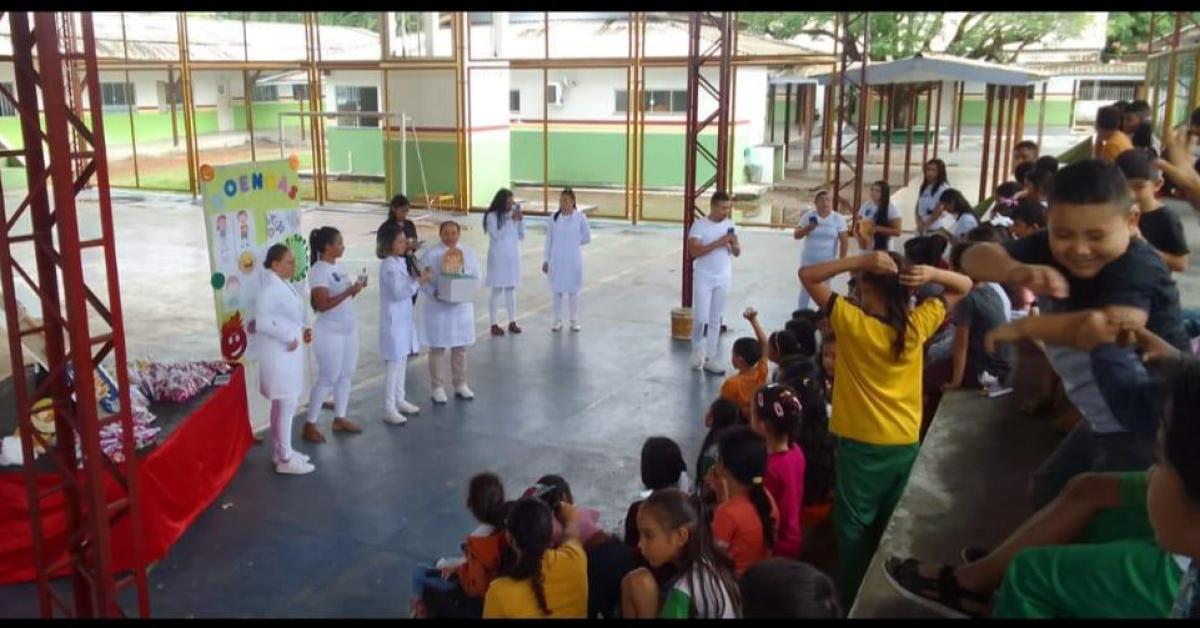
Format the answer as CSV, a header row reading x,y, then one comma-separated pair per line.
x,y
439,395
714,368
697,359
295,454
464,392
557,326
392,417
575,326
407,408
295,466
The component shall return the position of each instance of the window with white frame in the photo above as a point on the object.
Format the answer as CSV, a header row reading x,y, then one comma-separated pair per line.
x,y
1108,90
266,93
6,106
654,101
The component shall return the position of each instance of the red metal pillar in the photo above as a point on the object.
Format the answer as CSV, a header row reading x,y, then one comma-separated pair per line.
x,y
718,55
888,128
990,91
937,121
66,328
846,79
928,111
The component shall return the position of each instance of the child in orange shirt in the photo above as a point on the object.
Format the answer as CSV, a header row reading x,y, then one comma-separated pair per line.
x,y
744,524
750,360
456,586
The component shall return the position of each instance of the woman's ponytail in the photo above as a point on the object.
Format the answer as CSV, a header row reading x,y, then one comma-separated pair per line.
x,y
743,455
762,504
529,523
318,240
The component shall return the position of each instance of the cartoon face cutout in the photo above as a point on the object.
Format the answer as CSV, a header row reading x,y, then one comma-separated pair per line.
x,y
452,263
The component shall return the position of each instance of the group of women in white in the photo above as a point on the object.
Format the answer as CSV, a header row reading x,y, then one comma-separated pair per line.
x,y
279,319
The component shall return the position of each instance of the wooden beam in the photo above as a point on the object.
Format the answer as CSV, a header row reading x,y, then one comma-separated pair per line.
x,y
912,121
810,106
887,138
937,121
987,128
962,96
1042,114
928,111
1001,100
787,123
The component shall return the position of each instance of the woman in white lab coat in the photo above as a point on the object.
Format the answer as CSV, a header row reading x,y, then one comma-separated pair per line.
x,y
280,330
448,325
399,281
503,224
335,334
566,235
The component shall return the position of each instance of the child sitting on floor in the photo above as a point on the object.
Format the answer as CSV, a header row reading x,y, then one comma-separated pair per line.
x,y
672,531
455,588
749,359
542,581
745,521
780,588
1156,224
722,415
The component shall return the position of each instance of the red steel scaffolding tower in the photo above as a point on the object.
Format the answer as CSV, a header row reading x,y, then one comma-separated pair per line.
x,y
45,58
719,55
850,150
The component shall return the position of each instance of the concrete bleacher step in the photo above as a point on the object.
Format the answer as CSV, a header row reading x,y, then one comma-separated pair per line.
x,y
968,488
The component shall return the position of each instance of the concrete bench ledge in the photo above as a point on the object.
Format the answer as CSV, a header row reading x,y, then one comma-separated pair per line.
x,y
968,487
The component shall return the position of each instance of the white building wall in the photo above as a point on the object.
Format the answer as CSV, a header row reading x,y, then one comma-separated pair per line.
x,y
425,95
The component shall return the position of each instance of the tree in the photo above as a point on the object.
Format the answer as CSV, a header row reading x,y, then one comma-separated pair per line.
x,y
1129,32
974,35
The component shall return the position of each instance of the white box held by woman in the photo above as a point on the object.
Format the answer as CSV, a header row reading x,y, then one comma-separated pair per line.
x,y
457,288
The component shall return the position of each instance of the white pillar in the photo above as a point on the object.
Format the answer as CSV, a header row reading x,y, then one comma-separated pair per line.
x,y
499,33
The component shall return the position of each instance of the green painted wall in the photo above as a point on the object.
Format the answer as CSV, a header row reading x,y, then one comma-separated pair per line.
x,y
361,148
440,157
490,171
598,158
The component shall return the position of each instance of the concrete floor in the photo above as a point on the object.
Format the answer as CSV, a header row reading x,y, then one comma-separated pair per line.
x,y
342,541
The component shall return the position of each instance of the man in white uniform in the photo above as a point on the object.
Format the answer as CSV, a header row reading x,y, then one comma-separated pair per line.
x,y
712,244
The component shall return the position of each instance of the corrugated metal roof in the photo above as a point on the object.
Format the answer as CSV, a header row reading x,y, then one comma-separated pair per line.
x,y
932,67
1128,68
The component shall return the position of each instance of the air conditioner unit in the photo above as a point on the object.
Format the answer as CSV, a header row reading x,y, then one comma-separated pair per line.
x,y
554,93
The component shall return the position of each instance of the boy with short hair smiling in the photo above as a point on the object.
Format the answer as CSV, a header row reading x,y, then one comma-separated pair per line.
x,y
1086,261
1157,224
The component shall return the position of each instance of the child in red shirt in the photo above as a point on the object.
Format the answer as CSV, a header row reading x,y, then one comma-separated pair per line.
x,y
744,523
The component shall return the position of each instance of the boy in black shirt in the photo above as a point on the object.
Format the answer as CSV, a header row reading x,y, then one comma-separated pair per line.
x,y
1086,260
1157,224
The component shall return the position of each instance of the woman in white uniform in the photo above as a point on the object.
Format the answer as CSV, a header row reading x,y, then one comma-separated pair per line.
x,y
928,213
566,236
712,244
878,220
398,282
448,325
825,234
279,319
335,333
505,227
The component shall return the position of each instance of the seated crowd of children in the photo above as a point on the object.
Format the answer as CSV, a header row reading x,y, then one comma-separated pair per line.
x,y
1075,261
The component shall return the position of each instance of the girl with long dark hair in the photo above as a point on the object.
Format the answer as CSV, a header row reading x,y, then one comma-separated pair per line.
x,y
505,227
335,333
929,216
398,282
877,391
744,523
673,531
566,235
878,219
541,581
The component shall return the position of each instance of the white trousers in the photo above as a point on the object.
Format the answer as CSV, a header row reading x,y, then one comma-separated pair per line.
x,y
393,390
282,412
337,357
510,303
572,303
708,304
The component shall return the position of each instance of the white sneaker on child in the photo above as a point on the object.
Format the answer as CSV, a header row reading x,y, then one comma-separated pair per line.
x,y
557,326
439,395
295,466
406,407
711,366
464,392
392,417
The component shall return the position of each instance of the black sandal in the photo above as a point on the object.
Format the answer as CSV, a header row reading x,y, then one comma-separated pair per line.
x,y
942,595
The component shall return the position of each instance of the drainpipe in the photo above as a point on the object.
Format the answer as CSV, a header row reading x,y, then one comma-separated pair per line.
x,y
499,33
431,24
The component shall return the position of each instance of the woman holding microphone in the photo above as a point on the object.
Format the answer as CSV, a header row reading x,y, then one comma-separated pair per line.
x,y
826,237
279,317
335,339
505,228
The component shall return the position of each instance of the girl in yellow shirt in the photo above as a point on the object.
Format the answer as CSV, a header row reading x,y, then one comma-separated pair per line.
x,y
877,391
543,582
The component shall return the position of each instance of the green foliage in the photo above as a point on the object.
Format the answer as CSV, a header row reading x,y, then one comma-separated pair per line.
x,y
896,35
1129,32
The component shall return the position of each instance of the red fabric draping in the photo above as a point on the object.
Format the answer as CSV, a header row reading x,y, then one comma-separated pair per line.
x,y
179,479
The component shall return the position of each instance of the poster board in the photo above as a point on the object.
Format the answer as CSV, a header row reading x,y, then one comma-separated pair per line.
x,y
248,207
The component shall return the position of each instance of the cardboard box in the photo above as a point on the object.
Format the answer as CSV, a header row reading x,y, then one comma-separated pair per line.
x,y
457,288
